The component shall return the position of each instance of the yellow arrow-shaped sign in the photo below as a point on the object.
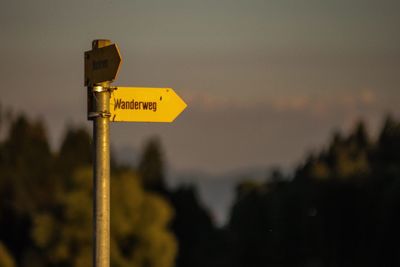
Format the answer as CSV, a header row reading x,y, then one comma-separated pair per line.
x,y
140,104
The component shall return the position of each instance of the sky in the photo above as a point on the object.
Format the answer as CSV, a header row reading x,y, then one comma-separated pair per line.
x,y
266,82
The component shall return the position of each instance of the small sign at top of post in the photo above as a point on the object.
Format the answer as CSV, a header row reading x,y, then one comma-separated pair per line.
x,y
102,64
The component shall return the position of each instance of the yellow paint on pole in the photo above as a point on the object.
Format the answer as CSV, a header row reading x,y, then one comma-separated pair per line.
x,y
141,104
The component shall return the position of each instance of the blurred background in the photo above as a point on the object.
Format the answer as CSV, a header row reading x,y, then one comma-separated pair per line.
x,y
288,153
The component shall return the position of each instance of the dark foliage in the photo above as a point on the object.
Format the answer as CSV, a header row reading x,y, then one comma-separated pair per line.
x,y
341,207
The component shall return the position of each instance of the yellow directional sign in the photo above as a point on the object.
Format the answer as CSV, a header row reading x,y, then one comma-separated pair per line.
x,y
145,104
101,64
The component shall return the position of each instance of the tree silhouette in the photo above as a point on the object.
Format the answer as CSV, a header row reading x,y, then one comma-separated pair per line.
x,y
75,151
151,167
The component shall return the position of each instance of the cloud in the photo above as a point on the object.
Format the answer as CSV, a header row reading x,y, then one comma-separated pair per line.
x,y
317,105
208,102
368,97
292,103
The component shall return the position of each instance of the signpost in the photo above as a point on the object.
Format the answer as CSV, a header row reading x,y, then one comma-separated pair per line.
x,y
116,104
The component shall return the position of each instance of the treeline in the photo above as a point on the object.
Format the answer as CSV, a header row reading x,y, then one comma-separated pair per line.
x,y
341,207
46,205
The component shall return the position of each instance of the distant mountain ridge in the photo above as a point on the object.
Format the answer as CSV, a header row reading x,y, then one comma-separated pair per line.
x,y
216,191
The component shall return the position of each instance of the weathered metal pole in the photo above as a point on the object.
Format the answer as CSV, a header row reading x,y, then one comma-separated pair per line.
x,y
101,170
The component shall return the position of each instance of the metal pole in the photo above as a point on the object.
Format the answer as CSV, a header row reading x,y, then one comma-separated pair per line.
x,y
101,171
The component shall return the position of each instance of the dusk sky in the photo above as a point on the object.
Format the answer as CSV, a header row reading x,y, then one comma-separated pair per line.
x,y
265,81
